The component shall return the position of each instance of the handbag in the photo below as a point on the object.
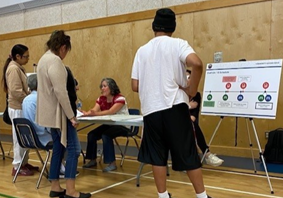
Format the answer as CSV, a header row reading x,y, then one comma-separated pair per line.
x,y
6,117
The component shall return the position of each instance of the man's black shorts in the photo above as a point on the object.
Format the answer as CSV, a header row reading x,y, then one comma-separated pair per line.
x,y
170,130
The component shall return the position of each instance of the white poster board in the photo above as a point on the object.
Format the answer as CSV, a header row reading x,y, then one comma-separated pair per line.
x,y
242,89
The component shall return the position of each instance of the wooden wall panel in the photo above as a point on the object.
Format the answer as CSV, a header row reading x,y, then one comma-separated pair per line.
x,y
106,53
277,52
238,32
141,33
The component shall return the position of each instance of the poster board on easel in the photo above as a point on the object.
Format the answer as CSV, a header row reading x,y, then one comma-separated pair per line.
x,y
242,89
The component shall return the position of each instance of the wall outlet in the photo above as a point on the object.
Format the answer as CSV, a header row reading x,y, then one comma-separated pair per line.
x,y
266,135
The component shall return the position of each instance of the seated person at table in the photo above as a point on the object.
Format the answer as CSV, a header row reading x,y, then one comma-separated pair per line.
x,y
29,110
109,103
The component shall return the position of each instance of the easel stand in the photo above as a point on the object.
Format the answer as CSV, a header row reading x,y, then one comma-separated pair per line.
x,y
250,143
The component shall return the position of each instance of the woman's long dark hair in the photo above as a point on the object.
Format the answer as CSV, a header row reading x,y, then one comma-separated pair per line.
x,y
17,49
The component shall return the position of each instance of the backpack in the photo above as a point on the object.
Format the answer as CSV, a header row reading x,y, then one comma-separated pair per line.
x,y
273,151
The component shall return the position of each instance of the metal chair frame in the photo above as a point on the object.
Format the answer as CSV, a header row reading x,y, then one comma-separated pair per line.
x,y
27,138
133,133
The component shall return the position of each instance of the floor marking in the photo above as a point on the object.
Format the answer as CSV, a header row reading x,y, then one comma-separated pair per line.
x,y
242,173
134,176
7,196
113,185
119,183
220,188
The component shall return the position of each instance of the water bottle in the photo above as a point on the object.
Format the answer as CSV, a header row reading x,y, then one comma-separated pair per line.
x,y
79,104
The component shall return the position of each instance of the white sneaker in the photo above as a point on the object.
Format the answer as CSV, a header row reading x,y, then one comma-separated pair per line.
x,y
213,160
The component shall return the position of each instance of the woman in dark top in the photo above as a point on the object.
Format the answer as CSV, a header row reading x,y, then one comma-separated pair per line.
x,y
71,88
210,158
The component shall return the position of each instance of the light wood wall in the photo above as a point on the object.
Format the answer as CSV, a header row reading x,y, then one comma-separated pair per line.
x,y
250,29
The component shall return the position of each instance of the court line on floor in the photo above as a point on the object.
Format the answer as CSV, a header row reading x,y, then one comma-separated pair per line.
x,y
220,188
186,183
242,173
7,196
118,183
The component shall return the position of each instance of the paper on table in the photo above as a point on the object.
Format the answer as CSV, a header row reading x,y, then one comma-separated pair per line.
x,y
137,119
106,117
79,114
120,117
112,117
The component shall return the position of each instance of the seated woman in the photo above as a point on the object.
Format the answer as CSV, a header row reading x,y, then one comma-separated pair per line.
x,y
109,103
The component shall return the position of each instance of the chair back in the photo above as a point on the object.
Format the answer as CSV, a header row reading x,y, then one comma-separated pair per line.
x,y
27,136
134,130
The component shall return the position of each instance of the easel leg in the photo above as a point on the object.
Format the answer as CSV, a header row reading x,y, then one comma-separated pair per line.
x,y
251,145
212,137
261,156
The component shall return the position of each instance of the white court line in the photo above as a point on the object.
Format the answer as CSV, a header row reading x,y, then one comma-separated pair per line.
x,y
223,189
186,183
242,173
119,183
111,186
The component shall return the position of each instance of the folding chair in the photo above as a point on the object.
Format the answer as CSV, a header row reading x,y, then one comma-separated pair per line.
x,y
28,138
133,133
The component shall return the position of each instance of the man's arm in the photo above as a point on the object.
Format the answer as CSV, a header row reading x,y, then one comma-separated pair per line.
x,y
195,63
135,85
193,104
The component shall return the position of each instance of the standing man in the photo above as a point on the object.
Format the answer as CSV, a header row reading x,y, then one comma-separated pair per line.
x,y
159,76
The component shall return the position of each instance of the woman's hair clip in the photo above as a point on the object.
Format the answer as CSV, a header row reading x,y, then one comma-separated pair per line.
x,y
10,56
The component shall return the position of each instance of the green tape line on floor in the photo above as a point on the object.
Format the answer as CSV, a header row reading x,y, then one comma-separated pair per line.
x,y
7,196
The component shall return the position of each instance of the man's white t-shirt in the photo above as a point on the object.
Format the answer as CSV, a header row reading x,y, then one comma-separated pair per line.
x,y
160,68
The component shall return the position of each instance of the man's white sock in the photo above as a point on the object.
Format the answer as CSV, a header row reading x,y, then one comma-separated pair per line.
x,y
202,195
163,195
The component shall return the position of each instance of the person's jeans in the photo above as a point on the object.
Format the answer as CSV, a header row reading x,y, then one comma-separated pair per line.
x,y
107,133
73,152
108,149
